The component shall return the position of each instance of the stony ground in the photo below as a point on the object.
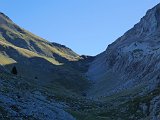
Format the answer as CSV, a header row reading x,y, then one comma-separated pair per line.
x,y
20,100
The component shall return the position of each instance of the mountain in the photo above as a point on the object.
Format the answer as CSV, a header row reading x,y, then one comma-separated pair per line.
x,y
35,57
52,82
130,66
13,34
133,59
47,75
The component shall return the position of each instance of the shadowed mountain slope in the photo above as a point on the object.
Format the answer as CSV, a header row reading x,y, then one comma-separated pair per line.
x,y
35,57
132,60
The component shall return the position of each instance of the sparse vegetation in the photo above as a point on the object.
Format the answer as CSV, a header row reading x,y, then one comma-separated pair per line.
x,y
40,79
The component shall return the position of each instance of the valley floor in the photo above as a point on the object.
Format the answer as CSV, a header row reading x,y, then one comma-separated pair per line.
x,y
22,100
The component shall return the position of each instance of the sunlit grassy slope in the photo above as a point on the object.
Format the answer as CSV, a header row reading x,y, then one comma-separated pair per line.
x,y
5,60
13,34
37,59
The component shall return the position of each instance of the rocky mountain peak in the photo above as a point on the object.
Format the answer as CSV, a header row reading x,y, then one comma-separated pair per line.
x,y
157,14
149,25
131,60
151,21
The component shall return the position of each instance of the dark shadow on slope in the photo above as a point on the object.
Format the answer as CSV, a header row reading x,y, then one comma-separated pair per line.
x,y
12,38
80,65
45,73
69,75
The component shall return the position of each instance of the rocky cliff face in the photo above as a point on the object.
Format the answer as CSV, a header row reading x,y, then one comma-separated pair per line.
x,y
129,70
132,60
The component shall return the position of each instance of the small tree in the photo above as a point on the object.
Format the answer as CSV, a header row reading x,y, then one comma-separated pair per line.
x,y
14,70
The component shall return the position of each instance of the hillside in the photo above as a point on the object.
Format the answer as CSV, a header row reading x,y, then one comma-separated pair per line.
x,y
47,74
39,60
128,71
133,59
55,83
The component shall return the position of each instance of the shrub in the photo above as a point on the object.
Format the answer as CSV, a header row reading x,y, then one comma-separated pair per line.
x,y
14,70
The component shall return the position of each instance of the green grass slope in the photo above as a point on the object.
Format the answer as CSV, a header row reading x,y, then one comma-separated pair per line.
x,y
49,64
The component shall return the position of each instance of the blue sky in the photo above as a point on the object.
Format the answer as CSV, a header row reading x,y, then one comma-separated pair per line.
x,y
86,26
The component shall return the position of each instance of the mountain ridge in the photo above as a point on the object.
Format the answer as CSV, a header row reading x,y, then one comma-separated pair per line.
x,y
22,49
126,54
123,82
